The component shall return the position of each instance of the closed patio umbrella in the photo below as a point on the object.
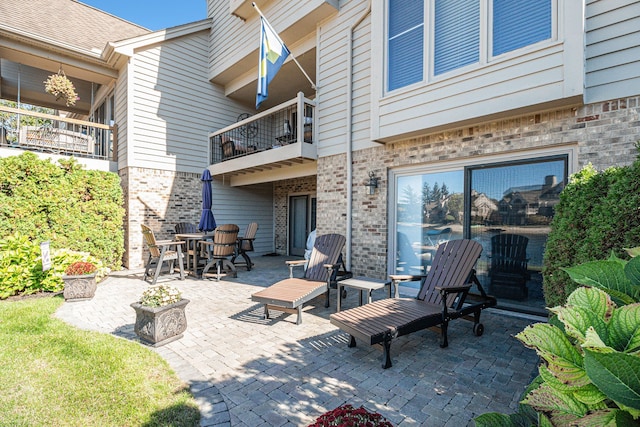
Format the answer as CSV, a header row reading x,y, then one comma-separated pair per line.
x,y
207,221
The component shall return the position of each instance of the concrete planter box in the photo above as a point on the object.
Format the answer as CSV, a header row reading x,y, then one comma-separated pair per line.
x,y
158,326
79,288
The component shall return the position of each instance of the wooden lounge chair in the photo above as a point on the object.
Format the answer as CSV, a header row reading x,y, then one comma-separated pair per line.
x,y
245,244
220,249
509,270
444,296
289,295
161,251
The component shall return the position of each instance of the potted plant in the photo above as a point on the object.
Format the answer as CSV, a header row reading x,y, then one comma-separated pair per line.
x,y
160,315
61,87
79,281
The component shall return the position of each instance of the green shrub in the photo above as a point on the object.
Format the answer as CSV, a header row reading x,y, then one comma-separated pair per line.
x,y
597,213
590,351
71,207
21,267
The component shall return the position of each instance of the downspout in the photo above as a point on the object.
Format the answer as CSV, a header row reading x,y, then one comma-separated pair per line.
x,y
349,133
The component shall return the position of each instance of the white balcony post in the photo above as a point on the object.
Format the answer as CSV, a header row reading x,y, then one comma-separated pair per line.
x,y
300,118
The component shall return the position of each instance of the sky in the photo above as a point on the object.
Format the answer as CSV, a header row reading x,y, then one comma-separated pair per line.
x,y
153,14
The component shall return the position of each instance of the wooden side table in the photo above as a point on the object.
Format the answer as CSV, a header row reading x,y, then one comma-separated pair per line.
x,y
362,284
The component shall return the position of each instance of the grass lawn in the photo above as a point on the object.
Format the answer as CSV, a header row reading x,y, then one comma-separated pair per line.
x,y
53,374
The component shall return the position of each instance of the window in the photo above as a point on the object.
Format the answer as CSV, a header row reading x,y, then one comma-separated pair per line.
x,y
405,44
519,24
457,34
514,200
462,32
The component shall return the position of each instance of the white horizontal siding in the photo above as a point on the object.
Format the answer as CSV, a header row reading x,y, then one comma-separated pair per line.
x,y
121,116
533,79
361,86
333,43
175,106
612,42
612,50
242,205
525,82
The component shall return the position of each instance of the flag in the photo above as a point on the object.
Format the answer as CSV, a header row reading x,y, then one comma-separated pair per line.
x,y
273,53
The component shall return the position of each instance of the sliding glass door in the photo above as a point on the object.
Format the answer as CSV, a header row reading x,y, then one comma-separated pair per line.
x,y
511,208
506,206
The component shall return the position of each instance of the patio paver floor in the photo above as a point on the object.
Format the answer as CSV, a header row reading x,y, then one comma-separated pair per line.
x,y
248,371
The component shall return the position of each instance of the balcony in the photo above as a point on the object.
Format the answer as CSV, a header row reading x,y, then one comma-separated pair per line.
x,y
275,144
36,131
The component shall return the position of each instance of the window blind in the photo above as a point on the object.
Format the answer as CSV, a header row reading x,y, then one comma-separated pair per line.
x,y
457,34
405,43
520,23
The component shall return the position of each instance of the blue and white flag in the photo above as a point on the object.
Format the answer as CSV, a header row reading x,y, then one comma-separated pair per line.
x,y
273,53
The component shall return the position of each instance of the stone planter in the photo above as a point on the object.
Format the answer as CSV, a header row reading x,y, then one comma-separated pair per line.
x,y
79,288
160,325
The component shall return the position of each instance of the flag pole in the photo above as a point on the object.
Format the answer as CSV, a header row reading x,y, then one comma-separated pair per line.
x,y
313,85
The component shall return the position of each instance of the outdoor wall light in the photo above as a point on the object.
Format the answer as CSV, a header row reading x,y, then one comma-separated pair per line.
x,y
372,183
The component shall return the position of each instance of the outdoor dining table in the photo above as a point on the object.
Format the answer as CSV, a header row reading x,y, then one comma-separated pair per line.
x,y
193,251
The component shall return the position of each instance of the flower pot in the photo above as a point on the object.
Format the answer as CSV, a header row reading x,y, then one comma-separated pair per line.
x,y
160,325
79,288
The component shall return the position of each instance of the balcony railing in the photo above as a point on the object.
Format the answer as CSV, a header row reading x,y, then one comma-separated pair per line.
x,y
32,130
286,124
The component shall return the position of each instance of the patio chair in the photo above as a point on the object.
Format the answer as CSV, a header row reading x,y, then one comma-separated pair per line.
x,y
245,244
289,295
161,251
185,228
231,148
219,250
444,296
509,271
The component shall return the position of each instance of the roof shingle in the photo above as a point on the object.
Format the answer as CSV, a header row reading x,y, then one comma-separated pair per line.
x,y
67,21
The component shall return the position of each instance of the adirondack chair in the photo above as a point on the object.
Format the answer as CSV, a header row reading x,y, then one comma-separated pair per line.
x,y
245,244
219,250
161,251
444,296
289,295
509,271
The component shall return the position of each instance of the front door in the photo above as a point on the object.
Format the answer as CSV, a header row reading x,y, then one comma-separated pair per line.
x,y
301,222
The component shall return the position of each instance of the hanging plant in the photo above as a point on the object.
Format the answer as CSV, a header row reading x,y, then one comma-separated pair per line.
x,y
62,88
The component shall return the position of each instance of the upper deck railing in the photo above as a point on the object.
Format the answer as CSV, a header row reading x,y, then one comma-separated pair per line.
x,y
282,125
36,131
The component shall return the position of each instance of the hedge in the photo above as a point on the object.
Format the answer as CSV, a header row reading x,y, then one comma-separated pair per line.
x,y
598,213
76,209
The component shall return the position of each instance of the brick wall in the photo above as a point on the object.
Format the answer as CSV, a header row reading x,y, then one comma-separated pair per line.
x,y
282,191
158,199
604,133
